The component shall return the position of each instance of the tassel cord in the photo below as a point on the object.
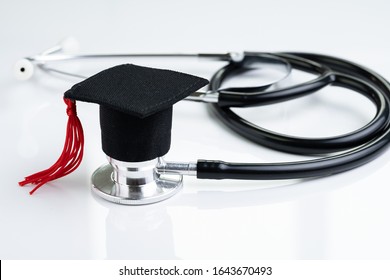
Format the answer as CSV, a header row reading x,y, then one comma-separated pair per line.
x,y
71,156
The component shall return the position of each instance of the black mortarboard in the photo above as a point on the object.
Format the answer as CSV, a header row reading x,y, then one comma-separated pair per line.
x,y
135,108
135,114
136,90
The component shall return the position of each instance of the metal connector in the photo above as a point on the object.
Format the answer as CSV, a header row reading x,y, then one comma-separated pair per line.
x,y
206,97
183,168
230,56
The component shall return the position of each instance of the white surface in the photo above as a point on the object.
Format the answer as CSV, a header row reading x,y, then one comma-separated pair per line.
x,y
339,217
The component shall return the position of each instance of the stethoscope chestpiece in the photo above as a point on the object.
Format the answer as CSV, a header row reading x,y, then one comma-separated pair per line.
x,y
135,183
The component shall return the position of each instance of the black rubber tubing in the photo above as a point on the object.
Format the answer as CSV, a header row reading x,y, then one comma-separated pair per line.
x,y
354,149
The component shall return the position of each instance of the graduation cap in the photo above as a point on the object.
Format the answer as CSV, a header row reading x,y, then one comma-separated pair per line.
x,y
135,116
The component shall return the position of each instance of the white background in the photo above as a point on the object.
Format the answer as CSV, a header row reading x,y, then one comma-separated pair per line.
x,y
339,217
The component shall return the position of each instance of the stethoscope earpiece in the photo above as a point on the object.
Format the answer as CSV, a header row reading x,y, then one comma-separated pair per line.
x,y
24,69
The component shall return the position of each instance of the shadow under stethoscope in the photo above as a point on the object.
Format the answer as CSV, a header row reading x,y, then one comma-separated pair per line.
x,y
146,232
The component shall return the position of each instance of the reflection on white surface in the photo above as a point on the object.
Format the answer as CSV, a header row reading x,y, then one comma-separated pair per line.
x,y
143,232
338,217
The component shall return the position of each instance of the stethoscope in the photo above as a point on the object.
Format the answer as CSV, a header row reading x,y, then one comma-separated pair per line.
x,y
335,154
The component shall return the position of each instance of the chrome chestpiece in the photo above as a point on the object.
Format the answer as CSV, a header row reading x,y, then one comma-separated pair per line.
x,y
138,183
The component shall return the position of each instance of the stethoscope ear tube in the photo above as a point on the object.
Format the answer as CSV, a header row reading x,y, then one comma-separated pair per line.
x,y
341,153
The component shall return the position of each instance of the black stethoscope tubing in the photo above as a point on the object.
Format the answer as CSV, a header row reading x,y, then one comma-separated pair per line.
x,y
357,147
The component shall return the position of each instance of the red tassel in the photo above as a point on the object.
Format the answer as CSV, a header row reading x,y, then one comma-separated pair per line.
x,y
71,156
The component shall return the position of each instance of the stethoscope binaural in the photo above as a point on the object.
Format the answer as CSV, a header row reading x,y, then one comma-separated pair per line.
x,y
339,153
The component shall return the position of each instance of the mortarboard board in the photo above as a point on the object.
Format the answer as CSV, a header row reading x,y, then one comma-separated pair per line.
x,y
135,115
